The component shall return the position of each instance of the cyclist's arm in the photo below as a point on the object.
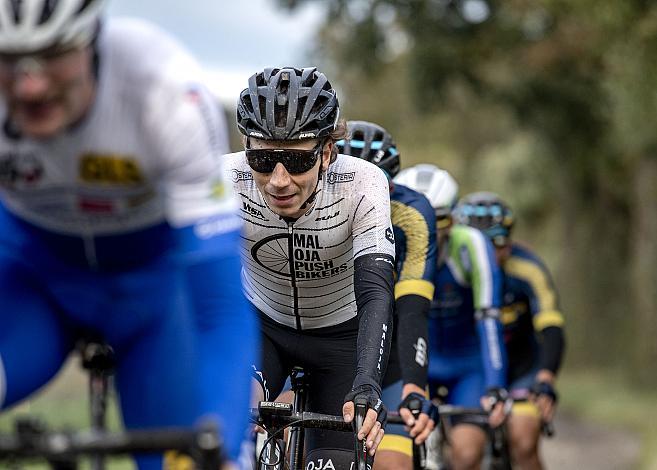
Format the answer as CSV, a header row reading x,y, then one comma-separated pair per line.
x,y
373,287
374,249
544,306
414,290
477,257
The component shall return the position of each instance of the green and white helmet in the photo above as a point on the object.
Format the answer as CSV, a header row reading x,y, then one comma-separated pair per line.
x,y
32,25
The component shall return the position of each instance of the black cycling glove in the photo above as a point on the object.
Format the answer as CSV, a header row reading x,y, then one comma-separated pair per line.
x,y
497,395
545,388
417,404
368,395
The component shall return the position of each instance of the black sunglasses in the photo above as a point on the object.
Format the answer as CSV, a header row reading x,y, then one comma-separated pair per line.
x,y
295,161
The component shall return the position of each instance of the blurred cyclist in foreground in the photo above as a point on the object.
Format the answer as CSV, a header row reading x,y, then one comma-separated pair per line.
x,y
466,348
414,225
533,324
115,219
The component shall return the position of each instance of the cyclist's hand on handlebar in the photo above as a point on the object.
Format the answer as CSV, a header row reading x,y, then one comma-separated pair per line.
x,y
546,398
498,404
373,425
420,416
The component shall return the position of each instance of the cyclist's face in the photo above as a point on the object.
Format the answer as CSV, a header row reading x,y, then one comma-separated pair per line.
x,y
48,91
285,193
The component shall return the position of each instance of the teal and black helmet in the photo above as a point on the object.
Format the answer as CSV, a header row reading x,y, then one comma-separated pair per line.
x,y
487,212
373,143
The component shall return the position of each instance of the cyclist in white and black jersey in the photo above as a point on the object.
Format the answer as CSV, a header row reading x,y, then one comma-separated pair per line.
x,y
116,218
317,250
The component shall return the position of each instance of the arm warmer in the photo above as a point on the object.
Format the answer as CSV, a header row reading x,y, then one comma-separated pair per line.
x,y
412,332
373,287
552,347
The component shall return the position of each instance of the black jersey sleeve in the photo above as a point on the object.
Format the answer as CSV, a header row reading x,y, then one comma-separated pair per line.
x,y
553,344
373,287
412,332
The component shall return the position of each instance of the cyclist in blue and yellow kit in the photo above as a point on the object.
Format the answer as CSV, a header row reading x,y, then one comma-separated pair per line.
x,y
465,335
116,218
533,323
414,227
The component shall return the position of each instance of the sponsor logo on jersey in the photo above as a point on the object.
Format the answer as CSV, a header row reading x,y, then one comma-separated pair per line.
x,y
327,217
237,175
390,236
97,206
340,177
421,352
19,169
272,253
109,169
257,213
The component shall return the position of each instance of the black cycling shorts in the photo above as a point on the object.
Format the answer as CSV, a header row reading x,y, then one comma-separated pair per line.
x,y
328,356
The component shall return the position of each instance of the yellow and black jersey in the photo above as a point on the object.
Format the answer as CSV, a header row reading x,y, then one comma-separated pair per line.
x,y
414,225
530,310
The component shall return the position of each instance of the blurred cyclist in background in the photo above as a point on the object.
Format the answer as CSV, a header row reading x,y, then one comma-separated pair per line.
x,y
318,252
115,218
414,225
533,324
466,349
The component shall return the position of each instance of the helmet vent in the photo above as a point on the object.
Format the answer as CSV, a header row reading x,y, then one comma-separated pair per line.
x,y
84,6
47,10
16,10
301,106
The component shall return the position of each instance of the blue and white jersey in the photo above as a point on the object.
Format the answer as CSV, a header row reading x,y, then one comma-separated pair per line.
x,y
146,154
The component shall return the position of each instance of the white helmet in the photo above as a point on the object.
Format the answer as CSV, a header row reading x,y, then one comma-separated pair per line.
x,y
32,25
437,185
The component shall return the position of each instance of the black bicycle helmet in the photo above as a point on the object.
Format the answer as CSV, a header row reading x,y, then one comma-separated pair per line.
x,y
487,212
373,143
287,104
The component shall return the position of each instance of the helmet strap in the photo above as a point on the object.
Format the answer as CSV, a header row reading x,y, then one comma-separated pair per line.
x,y
313,195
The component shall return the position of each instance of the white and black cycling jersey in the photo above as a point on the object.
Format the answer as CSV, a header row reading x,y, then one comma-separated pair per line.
x,y
301,273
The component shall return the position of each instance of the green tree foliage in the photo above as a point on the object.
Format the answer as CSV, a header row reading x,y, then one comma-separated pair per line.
x,y
553,103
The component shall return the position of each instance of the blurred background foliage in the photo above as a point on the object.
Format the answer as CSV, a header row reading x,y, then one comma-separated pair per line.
x,y
551,103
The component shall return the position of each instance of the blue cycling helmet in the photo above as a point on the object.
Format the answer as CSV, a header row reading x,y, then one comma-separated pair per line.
x,y
487,212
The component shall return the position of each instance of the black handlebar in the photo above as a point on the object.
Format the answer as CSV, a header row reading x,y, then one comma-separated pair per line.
x,y
203,444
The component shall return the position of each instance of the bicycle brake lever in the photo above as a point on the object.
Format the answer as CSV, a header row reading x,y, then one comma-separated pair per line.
x,y
360,405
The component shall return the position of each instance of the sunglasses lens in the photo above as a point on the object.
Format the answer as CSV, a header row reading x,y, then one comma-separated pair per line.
x,y
260,162
294,161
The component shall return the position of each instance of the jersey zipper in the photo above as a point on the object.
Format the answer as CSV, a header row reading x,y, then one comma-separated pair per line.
x,y
295,290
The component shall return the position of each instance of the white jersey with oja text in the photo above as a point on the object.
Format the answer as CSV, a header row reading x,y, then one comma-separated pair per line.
x,y
301,274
